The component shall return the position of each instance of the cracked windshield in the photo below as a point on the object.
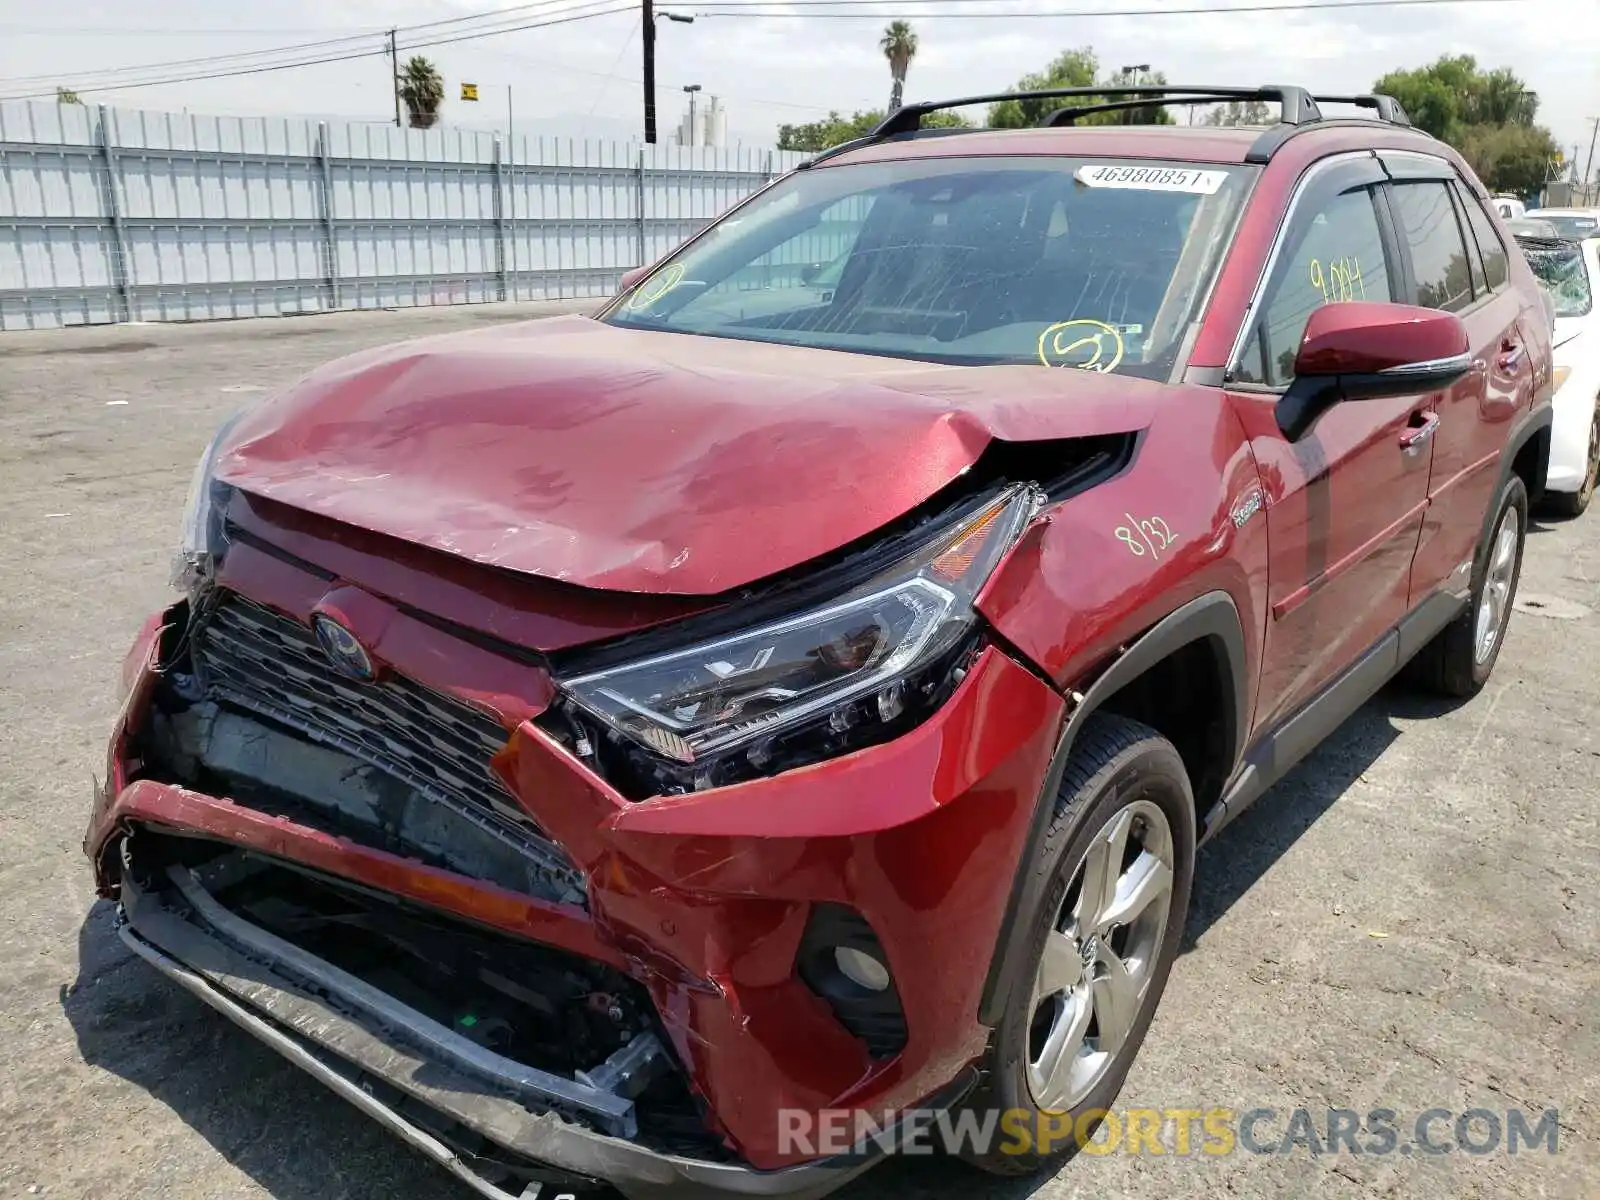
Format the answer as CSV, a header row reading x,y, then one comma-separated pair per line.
x,y
1084,263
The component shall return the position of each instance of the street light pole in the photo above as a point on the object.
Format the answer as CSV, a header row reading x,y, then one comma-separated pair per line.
x,y
1131,75
691,89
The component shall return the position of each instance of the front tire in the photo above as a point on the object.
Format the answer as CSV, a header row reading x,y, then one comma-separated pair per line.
x,y
1461,657
1118,859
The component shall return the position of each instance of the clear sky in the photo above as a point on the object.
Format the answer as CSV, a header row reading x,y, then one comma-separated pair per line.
x,y
582,77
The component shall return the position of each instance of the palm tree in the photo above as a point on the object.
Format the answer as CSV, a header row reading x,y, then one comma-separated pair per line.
x,y
422,89
899,46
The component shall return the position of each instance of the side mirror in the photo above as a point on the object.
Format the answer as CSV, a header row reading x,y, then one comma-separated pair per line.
x,y
1358,350
809,273
630,278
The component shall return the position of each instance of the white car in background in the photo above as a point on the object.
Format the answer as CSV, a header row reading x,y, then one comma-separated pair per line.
x,y
1570,273
1574,223
1509,206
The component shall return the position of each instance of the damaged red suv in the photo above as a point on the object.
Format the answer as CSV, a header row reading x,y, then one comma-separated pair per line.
x,y
597,747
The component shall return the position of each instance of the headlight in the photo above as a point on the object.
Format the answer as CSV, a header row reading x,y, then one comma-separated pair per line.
x,y
202,541
857,661
1560,378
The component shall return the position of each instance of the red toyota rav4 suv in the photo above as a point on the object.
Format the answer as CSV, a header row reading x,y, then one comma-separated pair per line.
x,y
599,747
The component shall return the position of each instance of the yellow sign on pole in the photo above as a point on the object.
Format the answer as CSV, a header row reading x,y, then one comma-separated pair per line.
x,y
469,91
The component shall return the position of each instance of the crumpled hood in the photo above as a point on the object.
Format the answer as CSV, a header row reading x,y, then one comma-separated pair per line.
x,y
643,461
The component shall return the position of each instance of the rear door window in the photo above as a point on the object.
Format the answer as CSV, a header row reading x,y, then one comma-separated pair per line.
x,y
1428,225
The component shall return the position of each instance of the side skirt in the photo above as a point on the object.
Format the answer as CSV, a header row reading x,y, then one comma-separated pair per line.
x,y
1277,752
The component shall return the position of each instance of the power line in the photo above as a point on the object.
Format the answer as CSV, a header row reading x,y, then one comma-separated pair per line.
x,y
493,22
593,8
488,24
873,9
124,31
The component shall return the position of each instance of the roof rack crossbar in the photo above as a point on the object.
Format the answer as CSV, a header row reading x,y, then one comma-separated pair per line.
x,y
1069,116
1299,109
1298,106
1387,107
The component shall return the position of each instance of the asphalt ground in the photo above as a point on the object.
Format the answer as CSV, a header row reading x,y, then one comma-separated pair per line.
x,y
1407,922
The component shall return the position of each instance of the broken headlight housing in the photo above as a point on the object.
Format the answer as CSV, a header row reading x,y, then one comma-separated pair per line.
x,y
855,669
203,541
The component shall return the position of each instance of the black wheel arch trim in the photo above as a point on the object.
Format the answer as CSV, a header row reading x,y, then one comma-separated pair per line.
x,y
1212,617
1529,425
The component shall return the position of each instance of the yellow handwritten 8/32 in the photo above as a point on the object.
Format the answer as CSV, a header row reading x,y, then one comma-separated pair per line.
x,y
1339,280
1083,344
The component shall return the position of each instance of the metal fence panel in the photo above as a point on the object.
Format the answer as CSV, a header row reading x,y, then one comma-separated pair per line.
x,y
114,215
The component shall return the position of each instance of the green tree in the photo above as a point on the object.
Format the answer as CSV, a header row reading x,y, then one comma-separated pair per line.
x,y
1509,158
1240,112
1071,68
65,95
1487,115
422,91
833,129
899,46
1451,94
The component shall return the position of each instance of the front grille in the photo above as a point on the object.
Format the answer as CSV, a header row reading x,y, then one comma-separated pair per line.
x,y
266,663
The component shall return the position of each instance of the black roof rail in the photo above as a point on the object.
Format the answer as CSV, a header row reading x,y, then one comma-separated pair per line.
x,y
872,139
1387,107
1299,110
1298,105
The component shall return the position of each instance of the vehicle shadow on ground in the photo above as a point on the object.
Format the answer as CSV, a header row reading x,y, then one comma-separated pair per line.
x,y
296,1140
1262,834
293,1138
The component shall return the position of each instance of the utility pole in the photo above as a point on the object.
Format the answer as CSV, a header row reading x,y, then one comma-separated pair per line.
x,y
649,31
394,75
1588,167
650,64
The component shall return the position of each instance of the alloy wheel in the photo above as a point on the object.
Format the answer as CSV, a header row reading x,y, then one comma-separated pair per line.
x,y
1494,605
1100,955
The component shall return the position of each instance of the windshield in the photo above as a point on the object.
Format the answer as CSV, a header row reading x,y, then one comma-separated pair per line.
x,y
1569,225
1085,263
1562,273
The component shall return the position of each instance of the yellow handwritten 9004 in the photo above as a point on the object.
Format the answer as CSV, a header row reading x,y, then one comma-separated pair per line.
x,y
657,286
1339,280
1096,344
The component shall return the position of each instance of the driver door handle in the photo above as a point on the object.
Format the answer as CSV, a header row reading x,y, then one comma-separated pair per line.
x,y
1417,435
1510,355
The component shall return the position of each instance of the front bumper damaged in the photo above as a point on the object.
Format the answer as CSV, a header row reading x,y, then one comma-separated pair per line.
x,y
704,905
360,1060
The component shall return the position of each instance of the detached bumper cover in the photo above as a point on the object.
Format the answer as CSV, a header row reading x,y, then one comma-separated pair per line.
x,y
347,1055
705,899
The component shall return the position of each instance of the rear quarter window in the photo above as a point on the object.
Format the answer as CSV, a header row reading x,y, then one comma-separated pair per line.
x,y
1496,266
